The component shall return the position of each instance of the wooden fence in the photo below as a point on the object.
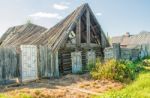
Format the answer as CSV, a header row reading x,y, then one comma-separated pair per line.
x,y
34,62
18,66
48,62
9,65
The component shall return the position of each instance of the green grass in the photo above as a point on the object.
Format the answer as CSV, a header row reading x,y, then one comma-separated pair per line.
x,y
140,88
20,95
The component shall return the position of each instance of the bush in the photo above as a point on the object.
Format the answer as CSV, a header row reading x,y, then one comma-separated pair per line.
x,y
92,64
120,70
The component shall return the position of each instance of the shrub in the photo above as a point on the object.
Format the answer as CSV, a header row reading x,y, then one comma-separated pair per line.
x,y
92,64
120,70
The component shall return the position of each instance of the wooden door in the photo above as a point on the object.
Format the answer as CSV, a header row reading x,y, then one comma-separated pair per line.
x,y
29,63
76,62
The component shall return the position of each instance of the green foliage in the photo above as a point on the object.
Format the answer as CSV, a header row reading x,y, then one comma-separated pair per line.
x,y
140,88
121,70
23,95
3,96
92,65
20,95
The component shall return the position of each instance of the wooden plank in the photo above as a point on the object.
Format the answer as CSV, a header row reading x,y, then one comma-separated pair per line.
x,y
8,65
78,33
56,74
88,27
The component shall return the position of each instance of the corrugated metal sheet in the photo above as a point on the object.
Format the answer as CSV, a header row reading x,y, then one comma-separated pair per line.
x,y
76,62
29,69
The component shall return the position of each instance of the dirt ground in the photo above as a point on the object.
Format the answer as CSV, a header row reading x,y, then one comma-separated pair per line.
x,y
69,86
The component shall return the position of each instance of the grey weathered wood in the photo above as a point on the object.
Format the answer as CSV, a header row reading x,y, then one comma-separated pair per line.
x,y
91,58
49,66
88,26
56,74
29,63
76,62
45,61
8,65
116,50
78,33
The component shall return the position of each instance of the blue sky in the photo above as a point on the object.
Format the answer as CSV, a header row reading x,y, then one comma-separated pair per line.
x,y
115,16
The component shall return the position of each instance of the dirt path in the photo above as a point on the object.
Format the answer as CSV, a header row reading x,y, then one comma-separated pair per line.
x,y
69,86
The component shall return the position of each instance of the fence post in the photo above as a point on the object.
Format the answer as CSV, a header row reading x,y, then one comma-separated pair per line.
x,y
116,50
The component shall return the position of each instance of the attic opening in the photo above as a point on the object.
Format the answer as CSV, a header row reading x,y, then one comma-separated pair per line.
x,y
93,27
72,36
94,31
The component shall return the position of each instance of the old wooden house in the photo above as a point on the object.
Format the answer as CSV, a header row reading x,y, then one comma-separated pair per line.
x,y
66,47
139,41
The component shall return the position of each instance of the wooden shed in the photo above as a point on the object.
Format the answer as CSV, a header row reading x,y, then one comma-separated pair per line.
x,y
80,32
72,43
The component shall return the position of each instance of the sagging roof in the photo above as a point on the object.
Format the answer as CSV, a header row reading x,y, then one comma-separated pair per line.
x,y
22,34
53,37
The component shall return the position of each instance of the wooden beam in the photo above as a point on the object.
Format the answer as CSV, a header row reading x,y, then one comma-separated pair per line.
x,y
88,27
78,33
93,29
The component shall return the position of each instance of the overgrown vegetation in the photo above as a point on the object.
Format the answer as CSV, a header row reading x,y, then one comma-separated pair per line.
x,y
120,70
140,88
20,95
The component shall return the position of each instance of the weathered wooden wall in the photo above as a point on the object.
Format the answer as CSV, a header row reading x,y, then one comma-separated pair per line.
x,y
65,61
9,65
48,63
121,53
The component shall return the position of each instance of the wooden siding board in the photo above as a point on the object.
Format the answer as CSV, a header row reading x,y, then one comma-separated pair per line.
x,y
8,65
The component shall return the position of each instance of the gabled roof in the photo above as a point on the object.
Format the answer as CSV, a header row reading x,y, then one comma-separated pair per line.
x,y
22,34
55,36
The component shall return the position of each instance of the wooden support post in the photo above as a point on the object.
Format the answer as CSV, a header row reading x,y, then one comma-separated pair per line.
x,y
116,50
78,33
56,74
52,65
88,27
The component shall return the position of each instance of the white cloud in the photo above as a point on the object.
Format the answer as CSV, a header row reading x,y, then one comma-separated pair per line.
x,y
99,14
61,6
39,15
